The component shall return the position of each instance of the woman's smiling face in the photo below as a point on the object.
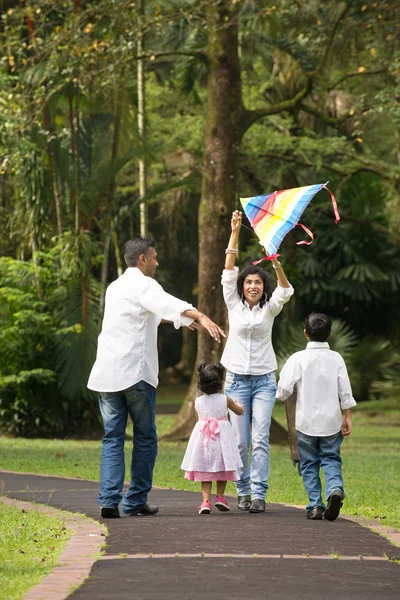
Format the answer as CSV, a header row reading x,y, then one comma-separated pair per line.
x,y
253,289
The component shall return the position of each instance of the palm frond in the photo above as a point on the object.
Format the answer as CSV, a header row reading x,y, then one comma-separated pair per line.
x,y
344,338
76,343
371,365
292,339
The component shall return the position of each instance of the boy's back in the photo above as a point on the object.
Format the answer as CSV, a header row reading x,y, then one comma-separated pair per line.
x,y
323,388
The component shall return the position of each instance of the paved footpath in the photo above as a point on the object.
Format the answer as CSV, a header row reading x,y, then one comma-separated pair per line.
x,y
179,555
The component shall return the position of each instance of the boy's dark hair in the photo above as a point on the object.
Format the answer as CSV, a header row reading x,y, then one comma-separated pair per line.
x,y
210,378
265,278
318,327
134,248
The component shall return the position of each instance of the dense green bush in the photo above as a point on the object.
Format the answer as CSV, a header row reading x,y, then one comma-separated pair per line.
x,y
41,364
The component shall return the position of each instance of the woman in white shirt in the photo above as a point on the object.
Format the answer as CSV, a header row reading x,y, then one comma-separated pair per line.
x,y
251,364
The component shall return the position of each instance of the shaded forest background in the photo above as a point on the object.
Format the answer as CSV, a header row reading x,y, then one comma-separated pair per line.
x,y
240,98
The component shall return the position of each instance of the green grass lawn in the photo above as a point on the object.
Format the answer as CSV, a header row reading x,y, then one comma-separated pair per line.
x,y
30,544
370,462
172,394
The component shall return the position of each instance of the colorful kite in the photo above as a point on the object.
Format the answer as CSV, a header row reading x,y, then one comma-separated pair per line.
x,y
272,216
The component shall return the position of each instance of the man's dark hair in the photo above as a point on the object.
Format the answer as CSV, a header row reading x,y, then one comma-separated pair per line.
x,y
265,278
318,327
135,247
210,378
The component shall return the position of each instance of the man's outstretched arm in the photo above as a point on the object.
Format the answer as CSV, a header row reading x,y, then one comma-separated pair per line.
x,y
213,329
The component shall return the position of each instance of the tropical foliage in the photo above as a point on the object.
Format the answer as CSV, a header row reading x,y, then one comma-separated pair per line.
x,y
242,97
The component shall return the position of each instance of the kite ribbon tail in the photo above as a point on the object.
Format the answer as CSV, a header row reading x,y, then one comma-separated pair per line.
x,y
334,204
271,257
310,233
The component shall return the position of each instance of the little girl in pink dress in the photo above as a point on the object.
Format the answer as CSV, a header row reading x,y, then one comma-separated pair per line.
x,y
212,453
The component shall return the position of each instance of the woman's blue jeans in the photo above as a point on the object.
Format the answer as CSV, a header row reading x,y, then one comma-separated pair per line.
x,y
139,401
257,394
324,452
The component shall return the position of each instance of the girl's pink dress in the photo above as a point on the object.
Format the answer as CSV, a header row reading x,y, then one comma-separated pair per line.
x,y
212,453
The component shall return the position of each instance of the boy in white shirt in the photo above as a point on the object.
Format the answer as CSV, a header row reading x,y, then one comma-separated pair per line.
x,y
323,391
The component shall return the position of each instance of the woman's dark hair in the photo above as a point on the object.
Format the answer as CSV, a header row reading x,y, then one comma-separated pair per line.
x,y
210,378
318,327
265,278
134,248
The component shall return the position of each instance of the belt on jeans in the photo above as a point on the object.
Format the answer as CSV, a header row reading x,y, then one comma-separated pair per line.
x,y
246,377
240,375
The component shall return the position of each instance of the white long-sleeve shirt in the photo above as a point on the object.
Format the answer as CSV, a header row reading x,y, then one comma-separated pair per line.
x,y
249,350
323,388
127,345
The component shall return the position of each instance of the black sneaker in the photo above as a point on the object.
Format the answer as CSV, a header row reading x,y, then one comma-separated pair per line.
x,y
110,513
244,502
145,511
315,513
334,505
257,506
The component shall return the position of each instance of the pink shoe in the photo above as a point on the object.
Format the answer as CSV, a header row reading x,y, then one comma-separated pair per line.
x,y
204,508
221,504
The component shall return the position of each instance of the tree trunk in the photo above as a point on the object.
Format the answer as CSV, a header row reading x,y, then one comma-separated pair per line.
x,y
119,99
78,158
223,130
117,250
188,354
51,151
223,133
222,138
141,86
104,269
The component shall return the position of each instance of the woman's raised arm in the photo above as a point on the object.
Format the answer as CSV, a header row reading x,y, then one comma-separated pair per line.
x,y
280,273
232,249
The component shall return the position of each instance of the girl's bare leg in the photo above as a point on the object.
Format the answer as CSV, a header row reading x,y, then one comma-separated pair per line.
x,y
221,485
206,490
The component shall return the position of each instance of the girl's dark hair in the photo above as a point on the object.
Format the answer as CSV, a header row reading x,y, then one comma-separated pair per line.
x,y
318,327
210,378
265,278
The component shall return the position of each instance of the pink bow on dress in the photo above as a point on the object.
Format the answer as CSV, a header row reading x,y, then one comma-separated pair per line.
x,y
210,428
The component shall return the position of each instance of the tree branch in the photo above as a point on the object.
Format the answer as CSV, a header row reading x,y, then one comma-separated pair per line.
x,y
356,74
331,38
384,173
194,53
325,118
251,116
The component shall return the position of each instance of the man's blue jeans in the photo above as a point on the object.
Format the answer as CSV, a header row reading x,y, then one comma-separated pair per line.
x,y
316,452
257,394
139,401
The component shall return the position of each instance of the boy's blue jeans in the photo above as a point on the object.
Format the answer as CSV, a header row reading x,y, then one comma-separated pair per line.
x,y
316,452
139,401
257,394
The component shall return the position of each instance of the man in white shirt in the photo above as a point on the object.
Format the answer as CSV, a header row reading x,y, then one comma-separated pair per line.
x,y
125,375
323,391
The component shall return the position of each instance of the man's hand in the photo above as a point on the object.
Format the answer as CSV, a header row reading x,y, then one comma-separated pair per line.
x,y
346,426
204,321
211,327
193,326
